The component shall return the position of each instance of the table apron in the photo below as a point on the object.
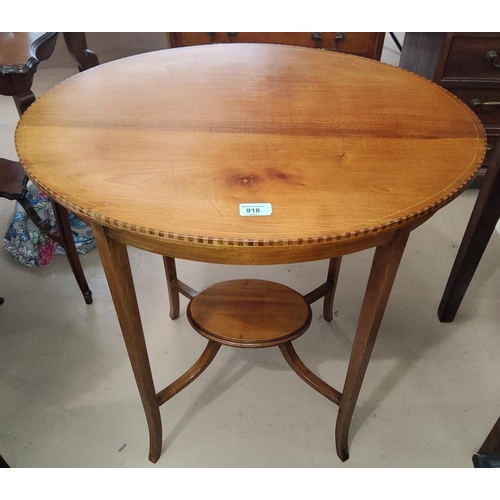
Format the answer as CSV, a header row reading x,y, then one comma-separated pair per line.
x,y
250,255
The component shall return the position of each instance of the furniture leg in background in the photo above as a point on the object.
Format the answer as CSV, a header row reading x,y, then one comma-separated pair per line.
x,y
488,455
13,182
481,225
76,44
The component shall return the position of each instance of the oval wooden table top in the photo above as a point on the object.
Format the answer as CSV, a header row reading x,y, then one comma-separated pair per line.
x,y
168,144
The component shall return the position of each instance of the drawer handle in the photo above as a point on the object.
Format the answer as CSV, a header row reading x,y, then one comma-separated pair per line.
x,y
489,147
317,37
340,37
476,102
492,56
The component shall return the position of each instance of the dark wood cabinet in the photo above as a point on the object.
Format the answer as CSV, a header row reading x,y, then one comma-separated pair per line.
x,y
362,44
467,64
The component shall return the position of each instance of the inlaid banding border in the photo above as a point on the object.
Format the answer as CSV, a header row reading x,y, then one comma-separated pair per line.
x,y
271,242
239,242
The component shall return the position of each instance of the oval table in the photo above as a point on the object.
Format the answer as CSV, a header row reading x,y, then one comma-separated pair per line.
x,y
250,154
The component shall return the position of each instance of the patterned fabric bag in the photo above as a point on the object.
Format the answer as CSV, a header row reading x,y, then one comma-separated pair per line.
x,y
32,247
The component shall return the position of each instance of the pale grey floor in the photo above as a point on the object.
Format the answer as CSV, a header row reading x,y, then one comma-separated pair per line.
x,y
68,397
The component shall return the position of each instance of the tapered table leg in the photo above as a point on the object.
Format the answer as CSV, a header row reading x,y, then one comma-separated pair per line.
x,y
332,277
173,292
116,265
481,225
383,272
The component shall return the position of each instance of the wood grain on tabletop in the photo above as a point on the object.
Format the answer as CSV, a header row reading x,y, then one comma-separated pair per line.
x,y
282,314
171,142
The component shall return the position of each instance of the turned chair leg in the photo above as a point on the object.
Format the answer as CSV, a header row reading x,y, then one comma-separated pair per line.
x,y
67,241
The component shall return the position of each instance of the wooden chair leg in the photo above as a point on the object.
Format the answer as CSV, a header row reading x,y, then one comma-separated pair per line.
x,y
116,266
76,44
66,235
23,101
332,277
481,225
383,272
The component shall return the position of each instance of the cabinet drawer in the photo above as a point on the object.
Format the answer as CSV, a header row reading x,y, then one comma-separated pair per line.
x,y
467,58
363,44
484,102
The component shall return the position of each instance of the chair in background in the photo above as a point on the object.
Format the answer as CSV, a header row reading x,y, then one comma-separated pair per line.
x,y
13,186
20,54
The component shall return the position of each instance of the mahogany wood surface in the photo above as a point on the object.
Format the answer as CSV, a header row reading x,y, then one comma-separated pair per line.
x,y
343,147
157,151
249,313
